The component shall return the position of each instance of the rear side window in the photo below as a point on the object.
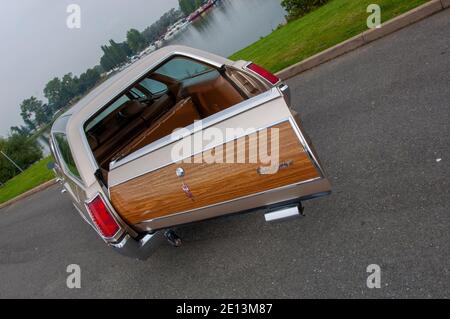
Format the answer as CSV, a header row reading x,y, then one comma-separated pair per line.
x,y
114,106
66,156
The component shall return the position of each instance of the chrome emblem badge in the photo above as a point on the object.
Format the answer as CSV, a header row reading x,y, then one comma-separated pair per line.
x,y
180,172
187,191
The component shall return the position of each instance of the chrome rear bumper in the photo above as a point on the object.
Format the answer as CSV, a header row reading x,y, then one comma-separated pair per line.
x,y
139,249
146,246
270,198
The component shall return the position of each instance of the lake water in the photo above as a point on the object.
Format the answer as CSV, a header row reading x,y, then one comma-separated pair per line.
x,y
232,25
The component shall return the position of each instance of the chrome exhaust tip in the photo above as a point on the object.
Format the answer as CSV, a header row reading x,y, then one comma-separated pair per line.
x,y
284,213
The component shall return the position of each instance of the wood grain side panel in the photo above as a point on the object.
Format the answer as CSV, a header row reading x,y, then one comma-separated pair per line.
x,y
160,193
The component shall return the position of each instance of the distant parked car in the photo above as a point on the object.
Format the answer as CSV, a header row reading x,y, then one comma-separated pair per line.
x,y
134,58
150,149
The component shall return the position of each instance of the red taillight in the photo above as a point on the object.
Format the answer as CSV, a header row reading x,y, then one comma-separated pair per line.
x,y
106,224
264,73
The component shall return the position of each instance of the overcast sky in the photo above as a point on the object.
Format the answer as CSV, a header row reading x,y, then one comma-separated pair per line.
x,y
36,44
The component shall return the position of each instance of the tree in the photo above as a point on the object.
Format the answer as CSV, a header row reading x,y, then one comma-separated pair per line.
x,y
35,113
22,130
189,6
106,63
114,54
88,80
43,115
21,150
28,109
69,89
118,52
59,92
126,49
53,92
157,29
297,8
136,41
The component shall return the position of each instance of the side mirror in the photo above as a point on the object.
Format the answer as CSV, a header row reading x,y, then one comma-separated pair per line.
x,y
51,165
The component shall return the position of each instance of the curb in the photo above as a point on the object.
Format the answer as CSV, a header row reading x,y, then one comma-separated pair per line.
x,y
29,193
366,37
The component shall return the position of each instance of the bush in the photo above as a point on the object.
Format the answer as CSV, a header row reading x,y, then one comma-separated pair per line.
x,y
298,8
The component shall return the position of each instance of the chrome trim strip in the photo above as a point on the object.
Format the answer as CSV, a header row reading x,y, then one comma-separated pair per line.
x,y
194,57
235,199
306,146
140,249
208,122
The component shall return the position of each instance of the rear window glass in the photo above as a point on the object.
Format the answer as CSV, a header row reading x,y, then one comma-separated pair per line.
x,y
154,87
64,150
182,68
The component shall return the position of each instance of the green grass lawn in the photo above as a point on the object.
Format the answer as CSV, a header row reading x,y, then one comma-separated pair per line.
x,y
30,178
321,29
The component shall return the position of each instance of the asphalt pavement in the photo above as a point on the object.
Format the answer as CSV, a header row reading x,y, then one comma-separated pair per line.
x,y
379,119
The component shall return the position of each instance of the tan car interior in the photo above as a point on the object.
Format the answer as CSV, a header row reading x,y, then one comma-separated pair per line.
x,y
141,121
